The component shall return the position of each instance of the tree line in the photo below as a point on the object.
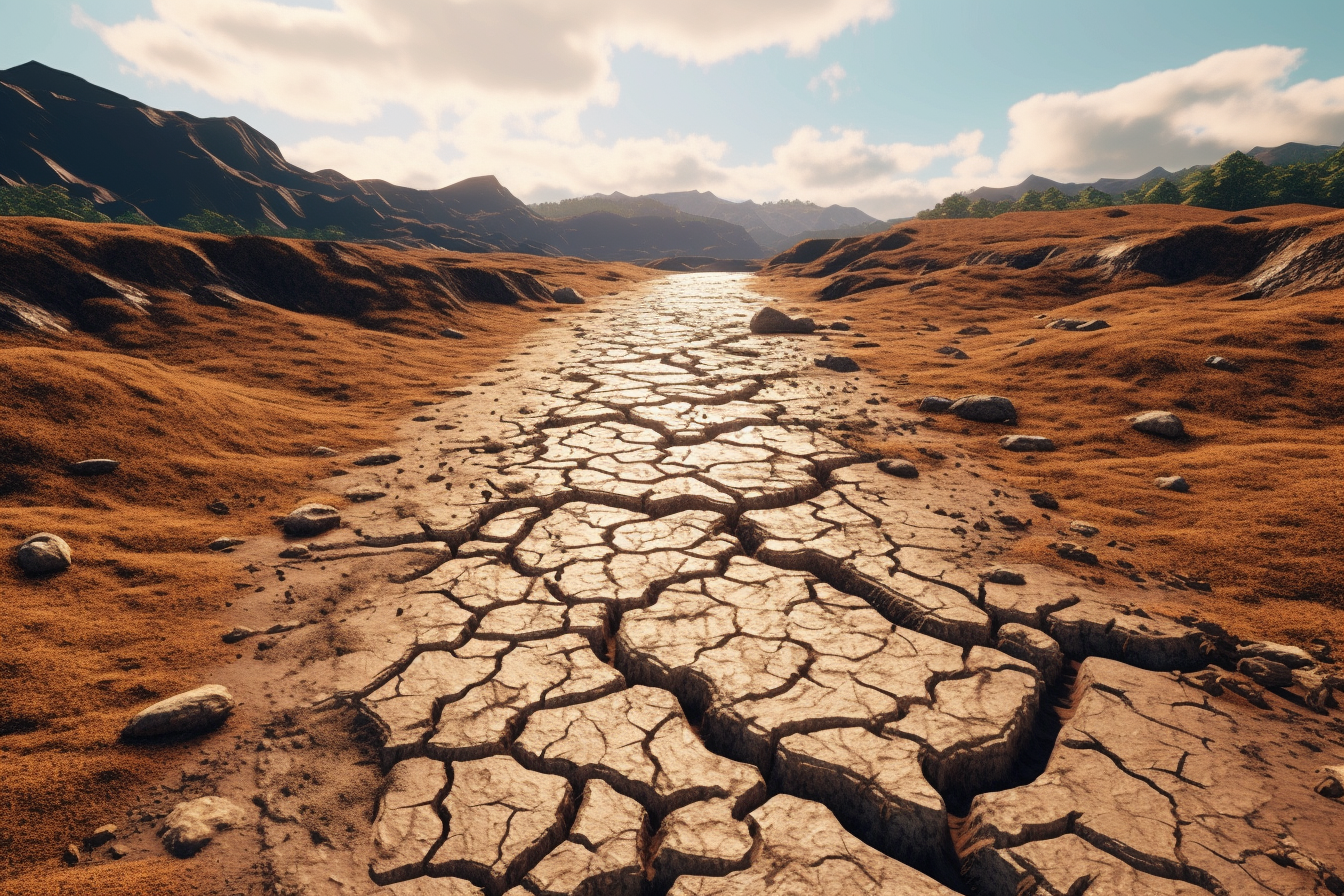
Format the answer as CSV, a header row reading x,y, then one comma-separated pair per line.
x,y
1235,183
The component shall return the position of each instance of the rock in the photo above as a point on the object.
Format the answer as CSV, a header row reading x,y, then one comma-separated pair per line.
x,y
1172,483
281,627
934,405
1027,443
95,467
1033,646
224,543
984,409
1292,657
44,553
191,712
1006,577
1044,500
567,295
1077,325
1159,423
439,886
449,333
117,851
1077,553
702,839
898,467
311,519
71,855
602,856
839,325
867,345
407,826
953,352
100,836
193,824
973,330
294,552
1266,673
772,320
838,363
240,633
218,508
1093,628
379,458
1218,362
1087,530
1332,785
361,493
323,451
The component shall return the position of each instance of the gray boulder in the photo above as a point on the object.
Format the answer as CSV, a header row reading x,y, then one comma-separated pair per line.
x,y
839,325
44,553
97,466
567,295
224,543
1292,657
898,467
194,823
984,409
838,363
311,519
1027,443
1266,673
191,712
1158,423
934,405
772,320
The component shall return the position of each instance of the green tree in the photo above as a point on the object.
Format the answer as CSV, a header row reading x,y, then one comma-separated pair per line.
x,y
1296,183
954,206
51,201
983,208
1091,197
1163,192
1030,202
1052,200
1237,182
207,221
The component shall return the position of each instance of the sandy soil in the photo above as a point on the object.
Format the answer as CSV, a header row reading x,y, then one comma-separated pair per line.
x,y
202,404
1266,444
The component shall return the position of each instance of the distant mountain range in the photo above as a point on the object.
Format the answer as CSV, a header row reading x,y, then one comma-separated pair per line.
x,y
126,156
774,225
1286,154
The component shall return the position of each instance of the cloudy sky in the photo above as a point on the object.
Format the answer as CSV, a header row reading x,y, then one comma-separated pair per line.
x,y
884,104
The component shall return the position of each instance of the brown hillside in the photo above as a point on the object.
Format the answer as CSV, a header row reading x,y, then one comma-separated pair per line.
x,y
1265,453
210,367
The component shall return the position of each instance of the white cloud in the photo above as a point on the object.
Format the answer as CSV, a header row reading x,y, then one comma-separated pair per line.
x,y
831,76
1185,116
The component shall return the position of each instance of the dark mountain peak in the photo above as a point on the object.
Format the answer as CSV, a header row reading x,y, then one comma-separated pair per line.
x,y
483,193
1292,153
44,81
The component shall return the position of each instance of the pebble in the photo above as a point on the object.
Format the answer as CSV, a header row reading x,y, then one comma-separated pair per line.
x,y
94,467
772,320
567,295
281,627
71,855
1172,483
1158,423
193,824
1078,326
838,363
378,459
839,325
100,836
294,552
867,345
898,467
311,519
224,543
1075,552
218,508
364,493
953,352
1003,576
44,553
973,330
1027,443
1044,500
1087,530
984,409
449,333
190,712
240,633
323,451
1218,362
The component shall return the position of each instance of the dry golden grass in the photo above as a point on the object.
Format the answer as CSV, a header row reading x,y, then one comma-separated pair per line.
x,y
200,403
1265,457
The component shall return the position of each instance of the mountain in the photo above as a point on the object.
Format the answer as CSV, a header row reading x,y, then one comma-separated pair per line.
x,y
1292,154
775,225
128,157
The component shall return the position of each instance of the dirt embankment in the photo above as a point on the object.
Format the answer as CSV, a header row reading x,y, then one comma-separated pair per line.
x,y
210,367
1175,285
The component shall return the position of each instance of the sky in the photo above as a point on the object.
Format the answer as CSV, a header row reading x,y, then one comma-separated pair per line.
x,y
888,105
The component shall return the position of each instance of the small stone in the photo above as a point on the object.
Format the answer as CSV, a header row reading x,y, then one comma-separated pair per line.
x,y
311,519
1026,342
323,451
362,493
867,345
1003,576
567,295
71,855
94,467
44,553
953,352
224,543
1159,423
294,553
1087,530
1077,553
1044,500
1172,483
1266,673
838,363
380,458
117,851
100,836
1027,443
1076,325
281,627
187,713
934,405
1292,657
772,320
1218,362
839,325
1332,786
449,333
218,508
984,409
973,330
898,467
193,824
239,633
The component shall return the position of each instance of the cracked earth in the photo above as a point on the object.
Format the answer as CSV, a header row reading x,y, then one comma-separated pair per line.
x,y
621,618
